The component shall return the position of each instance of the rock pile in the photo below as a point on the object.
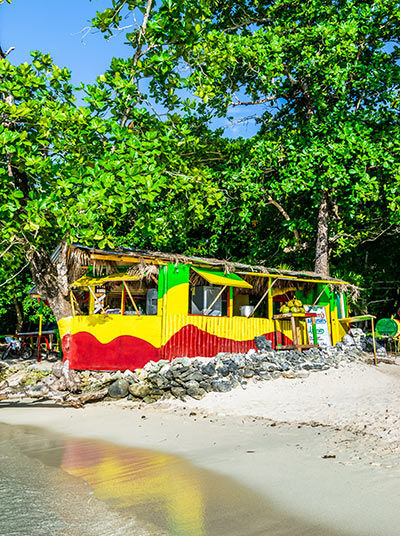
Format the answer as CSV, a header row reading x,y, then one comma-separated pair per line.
x,y
357,338
180,378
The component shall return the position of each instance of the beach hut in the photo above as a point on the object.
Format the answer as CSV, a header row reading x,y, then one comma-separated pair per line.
x,y
133,306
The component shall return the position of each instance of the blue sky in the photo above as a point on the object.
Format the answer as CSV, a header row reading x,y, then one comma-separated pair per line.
x,y
57,27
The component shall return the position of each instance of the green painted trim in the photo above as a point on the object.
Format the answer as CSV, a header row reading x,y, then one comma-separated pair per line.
x,y
162,273
173,275
231,276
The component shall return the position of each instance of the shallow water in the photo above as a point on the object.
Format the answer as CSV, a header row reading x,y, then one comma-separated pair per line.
x,y
54,485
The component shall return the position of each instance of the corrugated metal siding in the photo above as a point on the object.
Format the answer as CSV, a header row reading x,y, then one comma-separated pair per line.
x,y
206,336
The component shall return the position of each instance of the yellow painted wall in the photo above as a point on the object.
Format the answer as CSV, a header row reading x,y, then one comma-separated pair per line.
x,y
108,327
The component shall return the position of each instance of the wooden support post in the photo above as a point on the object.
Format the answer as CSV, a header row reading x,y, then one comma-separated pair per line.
x,y
154,279
132,300
230,302
123,296
215,299
39,358
71,297
263,297
314,330
373,341
294,331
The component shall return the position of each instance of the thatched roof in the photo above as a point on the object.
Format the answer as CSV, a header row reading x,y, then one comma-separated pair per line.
x,y
145,257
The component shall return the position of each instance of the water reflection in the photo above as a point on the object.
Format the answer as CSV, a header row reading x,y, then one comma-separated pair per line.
x,y
137,479
156,493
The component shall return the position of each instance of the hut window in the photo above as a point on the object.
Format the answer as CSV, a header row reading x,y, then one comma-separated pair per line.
x,y
132,298
210,300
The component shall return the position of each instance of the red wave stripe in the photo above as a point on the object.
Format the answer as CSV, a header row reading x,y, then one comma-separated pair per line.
x,y
85,352
124,352
190,341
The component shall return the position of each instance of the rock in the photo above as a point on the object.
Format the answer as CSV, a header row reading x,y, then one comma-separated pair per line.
x,y
152,366
196,392
158,380
247,373
129,376
142,375
192,384
59,385
183,361
149,399
179,371
40,390
178,392
119,389
358,336
234,382
251,352
348,340
264,376
140,390
165,368
206,386
302,374
224,370
16,379
93,396
262,343
194,376
208,369
221,386
71,378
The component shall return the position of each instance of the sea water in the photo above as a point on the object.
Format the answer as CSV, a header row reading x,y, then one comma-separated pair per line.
x,y
53,485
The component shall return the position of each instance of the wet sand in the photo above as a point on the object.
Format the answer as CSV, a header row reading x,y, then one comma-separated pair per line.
x,y
125,490
284,470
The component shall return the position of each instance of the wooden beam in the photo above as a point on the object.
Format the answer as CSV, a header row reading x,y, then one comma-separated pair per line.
x,y
374,341
123,296
124,258
132,300
215,299
293,278
263,297
71,297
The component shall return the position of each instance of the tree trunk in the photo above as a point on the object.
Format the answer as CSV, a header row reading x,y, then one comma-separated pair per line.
x,y
20,317
51,279
322,245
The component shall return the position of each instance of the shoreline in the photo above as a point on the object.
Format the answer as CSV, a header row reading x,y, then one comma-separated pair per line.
x,y
289,464
340,470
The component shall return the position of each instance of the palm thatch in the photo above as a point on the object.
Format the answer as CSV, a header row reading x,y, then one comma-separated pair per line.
x,y
156,258
78,263
144,270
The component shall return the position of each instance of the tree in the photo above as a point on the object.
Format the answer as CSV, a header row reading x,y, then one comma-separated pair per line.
x,y
324,76
76,173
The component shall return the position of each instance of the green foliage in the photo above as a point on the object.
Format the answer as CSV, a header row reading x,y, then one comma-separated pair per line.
x,y
322,80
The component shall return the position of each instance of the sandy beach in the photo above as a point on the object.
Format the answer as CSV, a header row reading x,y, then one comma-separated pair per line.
x,y
341,471
356,397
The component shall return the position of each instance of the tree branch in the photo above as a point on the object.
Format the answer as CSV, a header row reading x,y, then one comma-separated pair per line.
x,y
3,55
138,54
285,215
247,23
267,99
13,276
